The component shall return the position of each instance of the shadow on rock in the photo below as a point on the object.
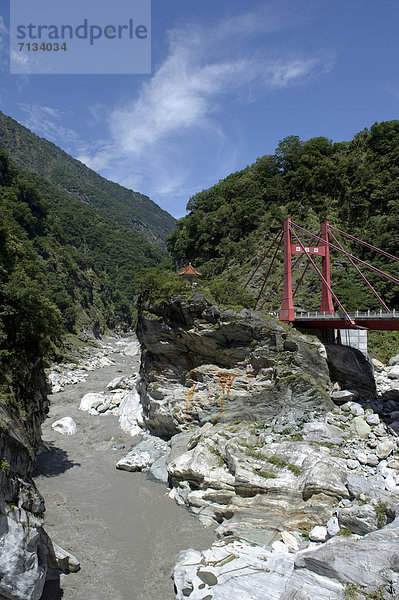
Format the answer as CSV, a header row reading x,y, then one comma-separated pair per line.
x,y
351,369
52,590
52,462
387,406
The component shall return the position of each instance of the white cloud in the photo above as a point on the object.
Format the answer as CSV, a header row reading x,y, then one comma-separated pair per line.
x,y
19,59
3,45
45,121
3,28
182,104
189,86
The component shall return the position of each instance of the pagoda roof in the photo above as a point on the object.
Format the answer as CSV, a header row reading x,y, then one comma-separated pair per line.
x,y
189,270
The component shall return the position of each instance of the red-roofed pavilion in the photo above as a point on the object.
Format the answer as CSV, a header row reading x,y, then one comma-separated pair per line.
x,y
189,272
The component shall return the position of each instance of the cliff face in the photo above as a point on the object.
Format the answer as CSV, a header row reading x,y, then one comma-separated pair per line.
x,y
200,365
24,546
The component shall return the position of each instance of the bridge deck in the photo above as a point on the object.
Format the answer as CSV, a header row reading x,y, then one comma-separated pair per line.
x,y
361,320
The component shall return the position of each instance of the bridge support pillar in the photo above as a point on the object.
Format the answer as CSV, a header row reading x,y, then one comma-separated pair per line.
x,y
326,296
287,312
355,338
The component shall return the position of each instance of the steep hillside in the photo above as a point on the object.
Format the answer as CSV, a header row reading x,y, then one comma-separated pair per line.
x,y
353,184
128,208
63,265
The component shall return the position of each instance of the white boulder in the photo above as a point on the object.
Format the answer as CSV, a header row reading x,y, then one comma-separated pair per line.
x,y
318,534
115,384
66,426
90,399
385,448
132,349
393,372
131,413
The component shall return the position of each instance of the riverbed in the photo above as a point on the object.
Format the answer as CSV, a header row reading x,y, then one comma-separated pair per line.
x,y
123,527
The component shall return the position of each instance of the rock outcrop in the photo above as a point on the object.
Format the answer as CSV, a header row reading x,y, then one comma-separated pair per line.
x,y
304,491
200,365
351,369
299,519
27,555
361,568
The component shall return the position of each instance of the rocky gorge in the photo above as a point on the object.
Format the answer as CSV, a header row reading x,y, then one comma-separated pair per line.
x,y
28,557
284,447
299,474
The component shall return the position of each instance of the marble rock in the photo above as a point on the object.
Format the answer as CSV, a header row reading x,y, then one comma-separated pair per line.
x,y
322,432
356,409
131,413
361,457
212,574
255,493
105,362
280,547
159,469
23,564
373,419
370,487
290,541
342,396
372,460
318,534
66,426
352,370
385,448
379,430
393,372
89,400
333,526
233,368
132,349
358,519
361,427
143,455
233,568
343,561
377,364
117,383
61,560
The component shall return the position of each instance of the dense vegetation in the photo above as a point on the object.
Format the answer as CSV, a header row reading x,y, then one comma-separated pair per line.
x,y
128,208
158,285
63,266
353,184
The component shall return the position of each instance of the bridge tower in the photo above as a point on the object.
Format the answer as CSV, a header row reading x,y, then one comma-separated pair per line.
x,y
326,296
287,312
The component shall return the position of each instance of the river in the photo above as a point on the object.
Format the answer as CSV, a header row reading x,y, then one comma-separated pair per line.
x,y
124,529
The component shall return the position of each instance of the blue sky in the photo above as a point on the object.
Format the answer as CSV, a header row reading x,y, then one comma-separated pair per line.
x,y
229,80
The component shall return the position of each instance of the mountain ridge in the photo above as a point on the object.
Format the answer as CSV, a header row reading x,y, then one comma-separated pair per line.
x,y
127,207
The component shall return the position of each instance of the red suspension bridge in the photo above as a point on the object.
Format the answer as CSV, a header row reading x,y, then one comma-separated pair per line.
x,y
323,242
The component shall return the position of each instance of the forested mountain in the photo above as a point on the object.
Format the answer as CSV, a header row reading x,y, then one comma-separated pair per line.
x,y
128,208
63,265
353,184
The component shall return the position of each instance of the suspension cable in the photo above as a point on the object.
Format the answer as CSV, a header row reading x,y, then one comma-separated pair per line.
x,y
355,239
347,254
270,267
324,280
279,284
264,258
376,294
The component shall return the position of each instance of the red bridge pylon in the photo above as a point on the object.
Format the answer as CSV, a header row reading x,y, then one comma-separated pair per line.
x,y
287,312
294,245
